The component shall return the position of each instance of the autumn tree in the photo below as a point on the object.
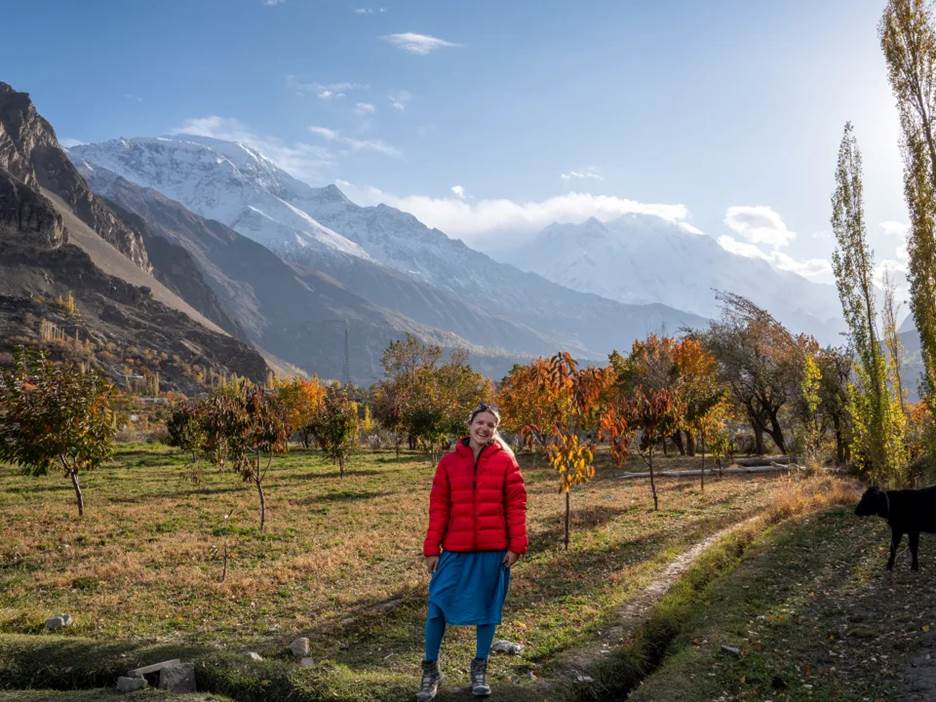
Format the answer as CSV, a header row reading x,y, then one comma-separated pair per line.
x,y
835,366
700,393
908,40
55,415
558,405
878,430
299,399
335,426
758,361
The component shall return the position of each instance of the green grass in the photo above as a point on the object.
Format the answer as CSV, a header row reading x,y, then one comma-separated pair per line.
x,y
339,562
816,617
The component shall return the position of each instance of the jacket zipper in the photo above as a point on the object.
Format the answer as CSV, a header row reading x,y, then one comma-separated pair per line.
x,y
474,497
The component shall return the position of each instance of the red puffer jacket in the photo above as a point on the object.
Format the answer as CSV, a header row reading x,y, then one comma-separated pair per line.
x,y
477,506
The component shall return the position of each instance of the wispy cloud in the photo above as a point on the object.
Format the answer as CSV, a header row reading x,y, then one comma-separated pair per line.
x,y
365,108
759,224
419,44
399,100
369,10
323,91
477,221
816,269
68,142
306,161
355,145
589,173
274,3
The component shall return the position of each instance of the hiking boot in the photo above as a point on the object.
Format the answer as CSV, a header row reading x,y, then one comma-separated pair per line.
x,y
479,686
429,685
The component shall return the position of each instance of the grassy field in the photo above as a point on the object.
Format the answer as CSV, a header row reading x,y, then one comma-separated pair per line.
x,y
814,616
338,563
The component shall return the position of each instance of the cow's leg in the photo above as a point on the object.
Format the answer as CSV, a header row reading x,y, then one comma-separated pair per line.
x,y
896,536
914,545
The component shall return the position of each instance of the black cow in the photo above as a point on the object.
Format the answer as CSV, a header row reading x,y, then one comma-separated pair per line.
x,y
906,511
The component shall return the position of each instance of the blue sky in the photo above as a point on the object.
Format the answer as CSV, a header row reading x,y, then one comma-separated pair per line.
x,y
487,118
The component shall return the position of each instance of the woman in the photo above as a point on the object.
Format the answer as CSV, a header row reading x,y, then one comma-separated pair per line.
x,y
477,521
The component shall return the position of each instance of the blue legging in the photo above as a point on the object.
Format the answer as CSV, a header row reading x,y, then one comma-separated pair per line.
x,y
435,630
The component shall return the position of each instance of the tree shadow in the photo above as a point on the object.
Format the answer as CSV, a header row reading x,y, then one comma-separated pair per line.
x,y
342,496
136,499
349,473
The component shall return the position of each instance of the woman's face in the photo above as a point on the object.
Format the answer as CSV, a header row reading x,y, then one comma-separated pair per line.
x,y
481,429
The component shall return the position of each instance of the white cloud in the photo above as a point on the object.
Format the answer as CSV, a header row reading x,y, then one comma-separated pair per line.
x,y
759,224
375,145
589,173
323,91
274,3
68,142
365,108
302,160
419,44
399,100
476,220
369,10
815,269
898,229
459,191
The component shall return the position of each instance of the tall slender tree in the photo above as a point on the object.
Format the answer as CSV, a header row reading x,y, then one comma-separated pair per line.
x,y
878,438
908,39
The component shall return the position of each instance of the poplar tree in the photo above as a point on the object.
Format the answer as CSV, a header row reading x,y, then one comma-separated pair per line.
x,y
878,436
908,39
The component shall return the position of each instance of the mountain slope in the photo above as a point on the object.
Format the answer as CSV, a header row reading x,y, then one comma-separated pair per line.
x,y
232,183
638,258
295,313
84,293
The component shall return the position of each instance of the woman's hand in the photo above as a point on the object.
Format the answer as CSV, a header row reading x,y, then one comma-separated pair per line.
x,y
510,558
431,562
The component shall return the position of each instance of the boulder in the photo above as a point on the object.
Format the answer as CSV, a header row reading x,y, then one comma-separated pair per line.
x,y
508,647
300,647
177,678
59,621
129,684
254,656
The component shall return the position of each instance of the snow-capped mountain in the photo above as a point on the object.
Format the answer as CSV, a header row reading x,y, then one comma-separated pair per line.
x,y
641,258
229,182
239,187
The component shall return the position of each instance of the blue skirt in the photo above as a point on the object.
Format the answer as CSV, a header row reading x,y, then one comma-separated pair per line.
x,y
469,588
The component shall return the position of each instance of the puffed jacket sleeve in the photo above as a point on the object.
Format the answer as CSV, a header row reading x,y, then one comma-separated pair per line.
x,y
515,505
439,508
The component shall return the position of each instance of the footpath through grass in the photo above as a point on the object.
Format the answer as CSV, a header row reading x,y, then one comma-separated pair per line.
x,y
814,616
339,562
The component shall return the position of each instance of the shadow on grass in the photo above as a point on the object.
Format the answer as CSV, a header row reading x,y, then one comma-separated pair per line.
x,y
25,489
343,496
138,499
316,475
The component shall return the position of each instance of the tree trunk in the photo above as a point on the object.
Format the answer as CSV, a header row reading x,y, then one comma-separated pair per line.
x,y
677,440
759,441
776,432
656,505
73,474
568,517
702,472
690,443
340,466
258,483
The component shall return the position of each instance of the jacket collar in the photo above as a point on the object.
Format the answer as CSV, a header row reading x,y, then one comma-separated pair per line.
x,y
463,449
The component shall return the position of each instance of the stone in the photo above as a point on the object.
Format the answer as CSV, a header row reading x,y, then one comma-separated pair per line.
x,y
59,621
733,650
177,678
583,679
254,656
129,684
300,647
146,669
508,647
307,662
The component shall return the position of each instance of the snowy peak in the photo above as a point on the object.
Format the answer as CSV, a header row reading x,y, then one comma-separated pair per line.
x,y
228,182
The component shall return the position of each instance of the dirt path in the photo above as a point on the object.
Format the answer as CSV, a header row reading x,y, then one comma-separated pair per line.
x,y
570,667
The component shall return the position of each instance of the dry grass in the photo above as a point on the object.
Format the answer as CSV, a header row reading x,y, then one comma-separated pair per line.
x,y
339,561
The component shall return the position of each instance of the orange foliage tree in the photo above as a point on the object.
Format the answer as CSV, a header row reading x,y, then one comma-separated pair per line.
x,y
299,401
559,406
